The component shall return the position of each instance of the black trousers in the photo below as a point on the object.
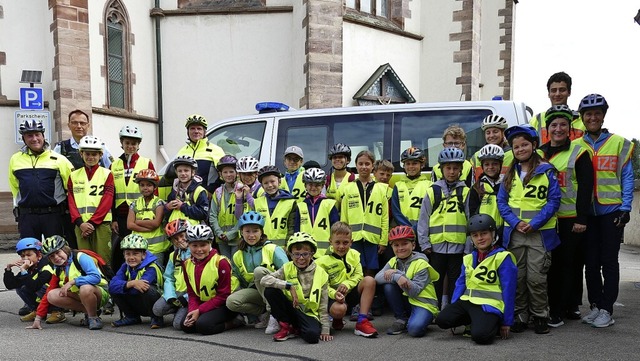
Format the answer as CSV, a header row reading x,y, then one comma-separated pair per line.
x,y
283,311
449,265
484,325
211,322
137,305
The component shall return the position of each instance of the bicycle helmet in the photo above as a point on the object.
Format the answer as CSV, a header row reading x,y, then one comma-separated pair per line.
x,y
134,241
402,232
593,101
89,142
451,155
494,121
558,111
268,170
199,233
524,130
28,243
413,153
185,160
176,226
340,149
31,125
314,175
247,165
481,222
148,175
302,237
226,160
130,132
196,119
491,151
53,244
251,217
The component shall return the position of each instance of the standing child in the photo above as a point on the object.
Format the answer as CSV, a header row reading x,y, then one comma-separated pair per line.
x,y
188,199
408,285
292,179
276,206
134,288
146,214
382,172
409,191
222,216
454,137
91,191
340,156
484,193
347,285
249,187
493,127
528,201
298,294
316,213
174,297
485,292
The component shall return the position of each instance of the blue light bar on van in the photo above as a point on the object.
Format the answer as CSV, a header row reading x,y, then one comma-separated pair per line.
x,y
271,107
497,97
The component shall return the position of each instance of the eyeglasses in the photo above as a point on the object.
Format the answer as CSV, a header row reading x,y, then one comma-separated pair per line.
x,y
301,255
82,124
453,144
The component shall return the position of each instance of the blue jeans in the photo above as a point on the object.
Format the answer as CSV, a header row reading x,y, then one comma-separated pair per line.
x,y
418,318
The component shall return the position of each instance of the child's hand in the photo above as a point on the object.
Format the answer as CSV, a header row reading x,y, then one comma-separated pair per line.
x,y
294,296
404,283
114,228
191,318
65,289
87,229
523,227
504,332
140,285
339,297
223,237
35,325
381,249
16,263
342,289
26,264
326,337
388,274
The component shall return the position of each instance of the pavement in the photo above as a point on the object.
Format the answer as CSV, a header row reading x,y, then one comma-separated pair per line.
x,y
573,341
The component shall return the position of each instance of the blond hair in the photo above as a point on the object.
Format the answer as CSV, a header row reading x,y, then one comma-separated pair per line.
x,y
456,132
383,164
340,228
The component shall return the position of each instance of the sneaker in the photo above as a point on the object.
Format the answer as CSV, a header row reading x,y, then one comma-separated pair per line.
x,y
555,321
540,325
125,321
354,313
286,332
108,308
24,310
95,323
518,327
467,331
574,314
272,327
398,327
157,322
365,329
592,315
604,319
29,317
263,321
56,317
337,324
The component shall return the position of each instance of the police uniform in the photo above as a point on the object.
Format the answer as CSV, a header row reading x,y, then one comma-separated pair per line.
x,y
207,156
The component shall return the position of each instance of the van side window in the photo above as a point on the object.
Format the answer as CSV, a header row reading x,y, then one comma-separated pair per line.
x,y
424,129
240,140
312,140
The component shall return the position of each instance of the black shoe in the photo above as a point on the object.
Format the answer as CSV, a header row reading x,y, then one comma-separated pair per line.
x,y
574,314
555,321
518,327
540,325
108,308
24,310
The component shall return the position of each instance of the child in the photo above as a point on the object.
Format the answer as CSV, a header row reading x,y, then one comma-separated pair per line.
x,y
340,157
76,284
442,226
298,294
32,281
528,201
347,285
173,298
493,127
365,209
485,292
188,199
134,288
208,278
454,137
484,193
248,188
382,172
316,213
146,214
408,285
256,257
409,191
292,179
276,206
91,191
222,216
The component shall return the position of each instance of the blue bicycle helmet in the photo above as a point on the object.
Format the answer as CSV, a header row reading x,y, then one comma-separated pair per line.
x,y
251,217
525,130
451,155
28,243
593,101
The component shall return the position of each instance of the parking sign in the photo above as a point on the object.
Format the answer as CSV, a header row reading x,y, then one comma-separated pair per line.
x,y
31,99
22,115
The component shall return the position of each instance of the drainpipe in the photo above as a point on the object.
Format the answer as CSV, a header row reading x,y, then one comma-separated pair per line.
x,y
156,12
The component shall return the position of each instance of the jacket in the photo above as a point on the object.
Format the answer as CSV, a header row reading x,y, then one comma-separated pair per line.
x,y
118,284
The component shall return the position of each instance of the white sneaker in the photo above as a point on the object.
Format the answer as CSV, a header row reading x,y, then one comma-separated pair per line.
x,y
273,326
604,319
592,315
263,321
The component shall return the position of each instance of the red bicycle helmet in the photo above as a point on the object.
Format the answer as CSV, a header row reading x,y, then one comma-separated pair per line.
x,y
402,232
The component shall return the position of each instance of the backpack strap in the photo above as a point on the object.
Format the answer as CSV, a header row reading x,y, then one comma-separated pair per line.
x,y
437,196
460,200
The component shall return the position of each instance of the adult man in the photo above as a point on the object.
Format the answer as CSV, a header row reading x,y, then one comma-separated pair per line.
x,y
613,195
79,126
559,91
38,181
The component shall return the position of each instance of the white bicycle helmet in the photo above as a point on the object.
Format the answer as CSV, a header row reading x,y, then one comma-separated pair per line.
x,y
130,132
198,233
314,175
491,151
451,155
247,165
89,142
494,121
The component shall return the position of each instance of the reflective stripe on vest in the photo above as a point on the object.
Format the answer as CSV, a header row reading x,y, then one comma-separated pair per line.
x,y
367,221
448,222
276,225
309,306
483,285
565,163
226,209
526,204
320,230
337,270
189,199
410,196
427,297
267,252
131,191
208,279
158,241
88,193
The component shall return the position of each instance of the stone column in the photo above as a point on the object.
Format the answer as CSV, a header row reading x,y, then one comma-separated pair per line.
x,y
506,55
469,54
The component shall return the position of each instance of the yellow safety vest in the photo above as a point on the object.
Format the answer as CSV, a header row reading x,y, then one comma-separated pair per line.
x,y
275,225
74,273
226,208
298,191
448,222
320,230
309,306
178,272
526,204
427,297
190,199
436,171
410,195
158,241
46,267
565,163
369,222
267,262
334,191
489,205
540,124
127,192
507,161
203,150
483,282
88,193
208,279
607,165
338,272
159,278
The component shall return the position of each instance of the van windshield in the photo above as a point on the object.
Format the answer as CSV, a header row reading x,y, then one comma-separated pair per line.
x,y
240,140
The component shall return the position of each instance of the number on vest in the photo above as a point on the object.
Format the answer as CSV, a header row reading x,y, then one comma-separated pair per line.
x,y
536,192
317,294
416,202
296,193
323,224
283,223
486,275
378,208
231,208
94,190
204,290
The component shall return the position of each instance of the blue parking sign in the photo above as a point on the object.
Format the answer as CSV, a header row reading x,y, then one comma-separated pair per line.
x,y
31,99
